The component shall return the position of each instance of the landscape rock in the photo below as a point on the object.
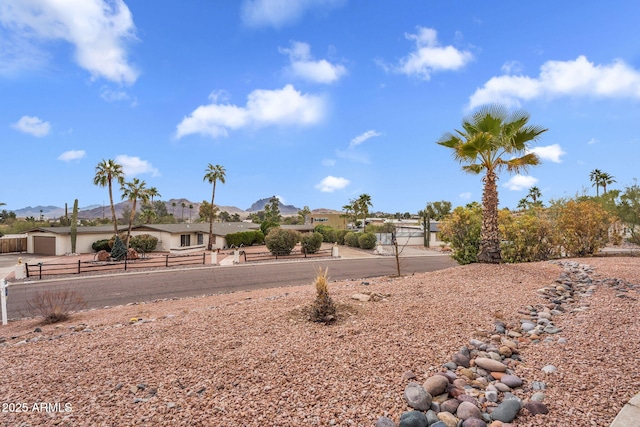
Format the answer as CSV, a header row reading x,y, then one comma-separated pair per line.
x,y
536,407
436,385
385,422
413,419
506,411
490,364
417,397
468,410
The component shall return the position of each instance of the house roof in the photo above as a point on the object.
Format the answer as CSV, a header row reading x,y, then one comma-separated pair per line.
x,y
219,228
81,230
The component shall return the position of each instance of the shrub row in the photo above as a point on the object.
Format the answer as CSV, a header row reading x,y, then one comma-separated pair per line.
x,y
141,243
360,240
245,238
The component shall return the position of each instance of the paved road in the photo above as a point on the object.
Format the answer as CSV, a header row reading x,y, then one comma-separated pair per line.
x,y
147,286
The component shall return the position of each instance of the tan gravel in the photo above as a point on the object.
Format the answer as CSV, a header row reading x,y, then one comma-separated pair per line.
x,y
252,358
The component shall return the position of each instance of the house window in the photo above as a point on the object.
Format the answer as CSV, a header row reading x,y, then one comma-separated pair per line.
x,y
320,219
185,240
200,239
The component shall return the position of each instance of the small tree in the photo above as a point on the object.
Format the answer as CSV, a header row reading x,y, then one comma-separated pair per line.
x,y
119,250
311,243
462,230
281,242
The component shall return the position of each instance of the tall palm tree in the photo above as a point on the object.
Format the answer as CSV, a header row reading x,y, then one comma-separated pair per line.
x,y
173,211
153,192
212,175
106,172
190,210
606,179
364,203
534,194
491,140
134,191
184,205
596,177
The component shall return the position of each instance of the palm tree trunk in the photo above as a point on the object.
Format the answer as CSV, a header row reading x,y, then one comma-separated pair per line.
x,y
113,211
212,238
490,234
131,217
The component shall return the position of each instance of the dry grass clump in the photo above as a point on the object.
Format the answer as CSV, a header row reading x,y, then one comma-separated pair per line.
x,y
55,305
323,309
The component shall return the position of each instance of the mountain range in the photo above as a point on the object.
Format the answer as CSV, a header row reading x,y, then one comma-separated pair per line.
x,y
174,206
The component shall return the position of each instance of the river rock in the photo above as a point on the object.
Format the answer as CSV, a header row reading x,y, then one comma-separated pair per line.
x,y
468,410
490,364
449,419
417,397
511,380
536,407
436,385
474,422
461,360
413,419
385,422
450,405
506,411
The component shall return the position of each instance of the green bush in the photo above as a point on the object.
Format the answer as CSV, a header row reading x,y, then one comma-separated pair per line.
x,y
245,238
143,243
101,245
280,241
527,237
311,242
461,229
340,236
351,239
367,241
328,233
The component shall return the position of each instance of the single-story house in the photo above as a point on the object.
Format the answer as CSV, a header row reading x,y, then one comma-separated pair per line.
x,y
171,237
334,220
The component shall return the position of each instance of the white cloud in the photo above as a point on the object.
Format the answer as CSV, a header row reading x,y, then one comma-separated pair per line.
x,y
304,67
67,156
592,141
33,126
549,152
562,78
277,13
429,56
465,196
363,137
511,67
284,106
353,155
330,184
520,182
134,166
328,162
110,95
98,29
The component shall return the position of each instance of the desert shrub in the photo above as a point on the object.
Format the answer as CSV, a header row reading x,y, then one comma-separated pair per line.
x,y
311,242
461,229
328,233
119,250
340,236
583,227
112,240
143,243
55,305
351,239
245,238
528,237
280,241
323,309
367,240
101,245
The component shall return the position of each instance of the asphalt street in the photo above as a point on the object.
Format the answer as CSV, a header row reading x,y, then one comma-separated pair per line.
x,y
118,289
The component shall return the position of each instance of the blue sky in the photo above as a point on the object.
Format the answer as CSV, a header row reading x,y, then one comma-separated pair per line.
x,y
314,101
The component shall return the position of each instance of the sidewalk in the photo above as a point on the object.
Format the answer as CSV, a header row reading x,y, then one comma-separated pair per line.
x,y
629,415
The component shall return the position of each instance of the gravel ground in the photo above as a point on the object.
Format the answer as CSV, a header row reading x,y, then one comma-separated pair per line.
x,y
253,358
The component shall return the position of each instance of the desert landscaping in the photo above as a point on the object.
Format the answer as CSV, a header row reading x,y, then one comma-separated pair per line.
x,y
255,359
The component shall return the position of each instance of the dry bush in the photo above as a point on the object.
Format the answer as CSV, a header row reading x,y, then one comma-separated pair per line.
x,y
55,305
323,309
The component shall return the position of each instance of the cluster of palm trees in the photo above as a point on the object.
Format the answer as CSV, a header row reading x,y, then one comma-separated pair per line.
x,y
109,172
600,179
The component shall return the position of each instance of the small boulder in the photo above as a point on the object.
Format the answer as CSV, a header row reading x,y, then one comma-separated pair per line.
x,y
436,385
413,419
417,397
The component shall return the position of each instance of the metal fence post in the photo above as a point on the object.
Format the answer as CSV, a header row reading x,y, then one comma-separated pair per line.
x,y
78,266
